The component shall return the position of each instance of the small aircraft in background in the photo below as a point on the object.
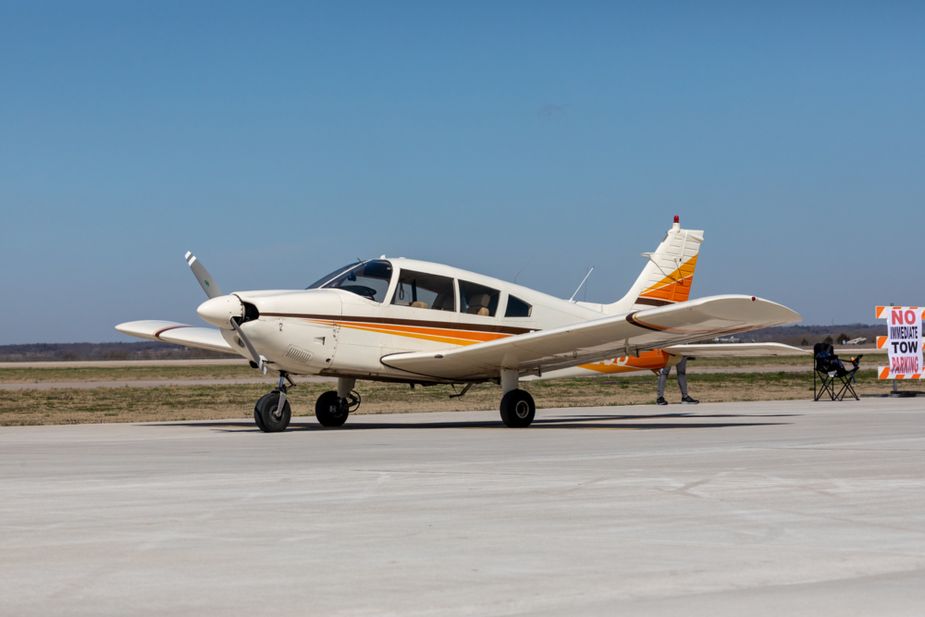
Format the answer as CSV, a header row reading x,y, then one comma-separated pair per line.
x,y
415,322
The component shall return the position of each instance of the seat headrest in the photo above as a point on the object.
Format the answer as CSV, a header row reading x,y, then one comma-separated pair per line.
x,y
444,301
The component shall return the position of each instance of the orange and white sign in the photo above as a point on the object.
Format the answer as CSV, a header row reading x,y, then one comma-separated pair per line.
x,y
903,342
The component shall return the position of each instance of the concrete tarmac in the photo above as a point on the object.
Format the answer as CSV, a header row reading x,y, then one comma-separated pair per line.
x,y
759,509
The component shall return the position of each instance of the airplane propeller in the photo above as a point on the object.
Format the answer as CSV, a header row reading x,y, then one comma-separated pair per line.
x,y
220,303
202,275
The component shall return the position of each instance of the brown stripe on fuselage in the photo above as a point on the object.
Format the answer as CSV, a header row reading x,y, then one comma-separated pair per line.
x,y
448,325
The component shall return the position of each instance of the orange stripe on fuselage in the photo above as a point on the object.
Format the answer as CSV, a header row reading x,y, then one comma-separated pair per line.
x,y
647,360
442,335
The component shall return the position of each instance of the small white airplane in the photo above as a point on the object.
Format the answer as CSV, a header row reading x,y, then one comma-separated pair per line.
x,y
415,322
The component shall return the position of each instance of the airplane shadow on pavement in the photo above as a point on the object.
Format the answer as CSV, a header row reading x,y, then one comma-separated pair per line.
x,y
614,422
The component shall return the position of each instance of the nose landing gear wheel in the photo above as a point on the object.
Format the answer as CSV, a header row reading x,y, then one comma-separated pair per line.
x,y
331,410
268,416
517,409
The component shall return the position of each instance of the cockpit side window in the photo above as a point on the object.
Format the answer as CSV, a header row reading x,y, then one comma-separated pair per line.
x,y
423,290
477,299
369,279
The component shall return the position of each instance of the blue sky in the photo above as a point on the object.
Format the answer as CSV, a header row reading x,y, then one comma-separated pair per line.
x,y
520,139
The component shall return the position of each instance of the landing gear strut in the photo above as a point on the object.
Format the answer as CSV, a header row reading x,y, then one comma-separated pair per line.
x,y
272,411
517,406
333,407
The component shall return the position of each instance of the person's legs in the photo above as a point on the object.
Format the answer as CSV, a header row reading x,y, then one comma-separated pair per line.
x,y
662,379
682,382
682,377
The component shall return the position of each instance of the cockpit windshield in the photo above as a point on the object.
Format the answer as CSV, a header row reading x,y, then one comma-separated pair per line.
x,y
332,275
369,279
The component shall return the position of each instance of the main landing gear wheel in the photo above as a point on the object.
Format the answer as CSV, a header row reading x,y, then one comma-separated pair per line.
x,y
268,416
517,409
332,410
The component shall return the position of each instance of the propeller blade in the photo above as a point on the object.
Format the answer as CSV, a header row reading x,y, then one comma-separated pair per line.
x,y
202,275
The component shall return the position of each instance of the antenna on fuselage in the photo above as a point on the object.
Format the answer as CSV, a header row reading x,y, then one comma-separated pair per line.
x,y
581,284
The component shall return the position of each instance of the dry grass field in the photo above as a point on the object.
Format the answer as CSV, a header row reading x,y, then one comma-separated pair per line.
x,y
772,378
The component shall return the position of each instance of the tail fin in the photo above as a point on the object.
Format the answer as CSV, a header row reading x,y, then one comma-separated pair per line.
x,y
668,275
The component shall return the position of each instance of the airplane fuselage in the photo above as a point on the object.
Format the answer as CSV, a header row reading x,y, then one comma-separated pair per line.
x,y
336,332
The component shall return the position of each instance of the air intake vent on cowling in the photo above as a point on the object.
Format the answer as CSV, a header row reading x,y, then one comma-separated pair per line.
x,y
299,355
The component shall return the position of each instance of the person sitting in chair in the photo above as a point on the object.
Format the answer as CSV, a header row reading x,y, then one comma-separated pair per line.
x,y
828,361
827,368
682,383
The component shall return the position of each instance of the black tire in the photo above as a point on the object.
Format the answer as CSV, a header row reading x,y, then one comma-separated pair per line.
x,y
257,419
267,415
331,410
257,407
517,409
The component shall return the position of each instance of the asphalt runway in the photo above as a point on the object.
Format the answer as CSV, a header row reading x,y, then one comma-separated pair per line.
x,y
782,508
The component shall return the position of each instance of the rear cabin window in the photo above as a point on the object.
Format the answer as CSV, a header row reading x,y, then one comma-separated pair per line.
x,y
517,307
427,291
476,299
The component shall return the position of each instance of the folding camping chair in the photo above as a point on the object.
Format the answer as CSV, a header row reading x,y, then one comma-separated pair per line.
x,y
829,371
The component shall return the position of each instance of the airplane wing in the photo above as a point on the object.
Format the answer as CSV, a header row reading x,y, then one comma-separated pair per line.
x,y
735,350
599,339
178,333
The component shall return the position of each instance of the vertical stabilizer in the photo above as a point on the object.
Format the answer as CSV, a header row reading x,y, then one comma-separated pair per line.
x,y
668,273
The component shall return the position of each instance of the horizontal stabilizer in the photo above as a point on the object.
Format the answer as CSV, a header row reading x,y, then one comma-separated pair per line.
x,y
735,350
177,333
599,339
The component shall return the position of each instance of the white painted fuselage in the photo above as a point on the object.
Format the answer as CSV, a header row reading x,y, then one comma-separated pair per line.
x,y
335,332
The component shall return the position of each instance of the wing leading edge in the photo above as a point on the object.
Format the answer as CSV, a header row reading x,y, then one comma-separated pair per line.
x,y
590,341
177,333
